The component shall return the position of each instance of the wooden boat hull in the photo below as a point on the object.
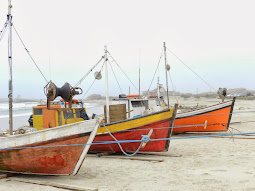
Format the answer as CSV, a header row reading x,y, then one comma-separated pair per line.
x,y
46,153
133,129
217,116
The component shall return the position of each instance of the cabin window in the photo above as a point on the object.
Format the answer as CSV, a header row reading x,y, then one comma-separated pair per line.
x,y
78,113
68,114
38,111
140,104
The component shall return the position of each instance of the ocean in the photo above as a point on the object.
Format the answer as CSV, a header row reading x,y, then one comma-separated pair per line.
x,y
23,110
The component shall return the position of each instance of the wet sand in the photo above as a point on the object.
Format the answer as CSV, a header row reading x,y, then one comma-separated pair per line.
x,y
203,163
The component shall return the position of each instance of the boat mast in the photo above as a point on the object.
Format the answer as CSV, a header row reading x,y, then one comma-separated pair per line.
x,y
9,17
106,87
158,90
166,75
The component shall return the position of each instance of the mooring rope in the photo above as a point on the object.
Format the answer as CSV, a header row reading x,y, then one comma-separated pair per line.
x,y
144,139
130,141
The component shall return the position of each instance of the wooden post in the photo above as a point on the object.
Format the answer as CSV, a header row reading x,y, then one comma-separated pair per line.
x,y
10,67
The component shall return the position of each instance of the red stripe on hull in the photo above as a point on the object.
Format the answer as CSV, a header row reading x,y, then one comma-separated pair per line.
x,y
135,135
216,121
49,160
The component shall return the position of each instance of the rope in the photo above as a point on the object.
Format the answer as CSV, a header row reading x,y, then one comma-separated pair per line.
x,y
80,81
116,78
130,141
30,54
122,70
175,127
155,72
191,70
144,139
2,32
236,112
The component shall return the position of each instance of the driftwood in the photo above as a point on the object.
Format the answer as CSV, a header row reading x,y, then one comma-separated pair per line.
x,y
57,185
159,154
135,158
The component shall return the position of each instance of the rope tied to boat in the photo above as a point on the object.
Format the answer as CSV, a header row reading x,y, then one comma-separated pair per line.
x,y
144,140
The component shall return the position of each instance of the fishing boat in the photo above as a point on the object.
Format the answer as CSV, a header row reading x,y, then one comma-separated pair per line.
x,y
156,125
206,119
48,152
217,118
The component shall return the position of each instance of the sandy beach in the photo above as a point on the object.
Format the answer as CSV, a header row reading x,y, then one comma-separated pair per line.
x,y
190,164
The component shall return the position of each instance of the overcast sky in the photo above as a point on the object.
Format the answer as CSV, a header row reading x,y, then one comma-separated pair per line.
x,y
66,38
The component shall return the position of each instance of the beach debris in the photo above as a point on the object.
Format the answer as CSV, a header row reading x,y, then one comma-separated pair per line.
x,y
160,154
23,130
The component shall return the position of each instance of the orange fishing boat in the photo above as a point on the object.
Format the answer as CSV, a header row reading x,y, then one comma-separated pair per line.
x,y
217,118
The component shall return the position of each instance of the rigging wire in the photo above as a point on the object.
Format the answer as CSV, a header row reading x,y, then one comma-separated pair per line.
x,y
155,71
30,54
122,71
115,77
92,82
2,32
172,86
191,70
80,81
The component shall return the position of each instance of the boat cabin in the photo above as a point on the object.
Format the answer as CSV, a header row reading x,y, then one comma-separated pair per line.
x,y
56,116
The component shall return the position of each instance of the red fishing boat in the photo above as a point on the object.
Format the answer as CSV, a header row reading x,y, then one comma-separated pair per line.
x,y
217,118
48,151
156,125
